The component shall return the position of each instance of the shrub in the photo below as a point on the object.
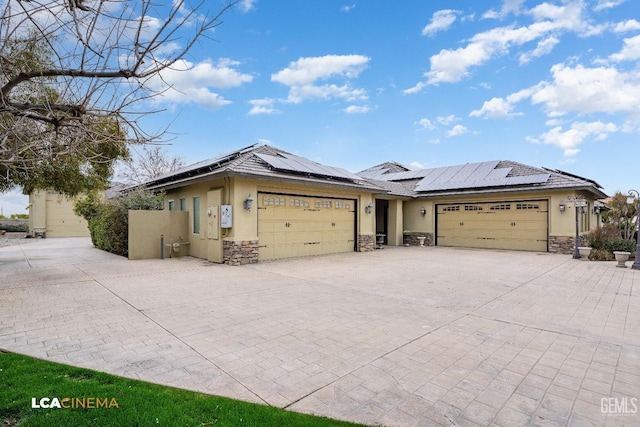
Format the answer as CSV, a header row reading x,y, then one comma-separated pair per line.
x,y
624,245
109,219
600,255
14,228
597,238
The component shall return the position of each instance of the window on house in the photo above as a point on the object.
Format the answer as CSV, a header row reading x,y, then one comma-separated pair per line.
x,y
196,215
183,204
171,205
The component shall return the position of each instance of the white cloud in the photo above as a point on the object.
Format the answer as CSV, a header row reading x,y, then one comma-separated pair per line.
x,y
307,70
452,65
417,88
630,51
440,21
508,6
357,109
569,140
626,26
446,120
425,124
247,5
607,4
512,6
544,47
262,106
490,14
301,77
348,8
588,90
185,82
298,94
495,108
457,130
416,165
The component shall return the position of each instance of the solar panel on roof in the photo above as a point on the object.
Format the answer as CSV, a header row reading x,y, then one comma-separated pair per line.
x,y
292,163
487,182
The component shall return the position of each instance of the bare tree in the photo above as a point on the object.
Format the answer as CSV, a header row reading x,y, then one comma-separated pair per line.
x,y
151,163
74,74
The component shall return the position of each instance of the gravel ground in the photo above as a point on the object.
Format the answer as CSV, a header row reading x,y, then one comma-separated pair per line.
x,y
9,239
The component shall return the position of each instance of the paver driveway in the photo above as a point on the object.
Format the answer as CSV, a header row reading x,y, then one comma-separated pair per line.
x,y
400,336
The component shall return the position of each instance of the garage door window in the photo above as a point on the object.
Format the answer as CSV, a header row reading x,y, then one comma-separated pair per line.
x,y
273,201
527,206
501,207
451,208
298,203
472,208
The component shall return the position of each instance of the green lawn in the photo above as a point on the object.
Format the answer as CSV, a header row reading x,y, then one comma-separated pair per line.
x,y
139,404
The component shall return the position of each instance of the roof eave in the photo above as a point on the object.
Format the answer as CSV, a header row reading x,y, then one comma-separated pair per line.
x,y
453,193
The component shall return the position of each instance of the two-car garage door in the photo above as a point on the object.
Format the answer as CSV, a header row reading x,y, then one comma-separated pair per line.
x,y
497,225
292,226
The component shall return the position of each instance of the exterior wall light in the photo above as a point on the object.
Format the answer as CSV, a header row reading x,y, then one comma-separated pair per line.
x,y
596,210
369,208
562,206
248,202
423,211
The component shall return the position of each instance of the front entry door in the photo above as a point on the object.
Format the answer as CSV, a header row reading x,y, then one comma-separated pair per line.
x,y
214,239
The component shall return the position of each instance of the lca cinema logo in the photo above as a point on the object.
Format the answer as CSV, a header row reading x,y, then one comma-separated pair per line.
x,y
74,403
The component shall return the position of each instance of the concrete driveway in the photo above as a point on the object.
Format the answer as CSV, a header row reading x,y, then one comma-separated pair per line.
x,y
398,337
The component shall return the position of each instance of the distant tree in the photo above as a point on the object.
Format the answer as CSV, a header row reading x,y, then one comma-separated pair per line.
x,y
72,77
152,162
621,215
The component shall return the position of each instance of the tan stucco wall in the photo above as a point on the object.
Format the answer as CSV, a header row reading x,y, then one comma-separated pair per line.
x,y
198,241
53,212
245,223
37,211
147,227
560,224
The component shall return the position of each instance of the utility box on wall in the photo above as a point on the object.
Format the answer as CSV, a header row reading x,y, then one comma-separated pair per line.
x,y
226,216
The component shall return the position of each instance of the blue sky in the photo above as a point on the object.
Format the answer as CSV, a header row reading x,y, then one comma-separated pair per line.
x,y
425,83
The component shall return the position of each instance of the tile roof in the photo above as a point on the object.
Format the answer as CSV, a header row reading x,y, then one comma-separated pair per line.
x,y
492,176
390,178
262,162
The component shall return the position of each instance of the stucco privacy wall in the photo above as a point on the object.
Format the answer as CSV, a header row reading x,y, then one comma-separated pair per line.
x,y
147,227
561,224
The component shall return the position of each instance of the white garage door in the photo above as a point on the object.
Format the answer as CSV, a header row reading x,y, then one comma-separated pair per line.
x,y
293,226
497,225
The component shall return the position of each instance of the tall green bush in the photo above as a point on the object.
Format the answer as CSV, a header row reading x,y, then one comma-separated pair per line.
x,y
109,219
624,245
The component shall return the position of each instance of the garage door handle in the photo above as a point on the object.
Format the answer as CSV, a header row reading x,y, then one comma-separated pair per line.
x,y
513,224
461,224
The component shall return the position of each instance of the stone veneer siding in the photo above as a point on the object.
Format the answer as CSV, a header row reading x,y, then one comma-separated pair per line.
x,y
240,253
564,244
365,242
411,239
